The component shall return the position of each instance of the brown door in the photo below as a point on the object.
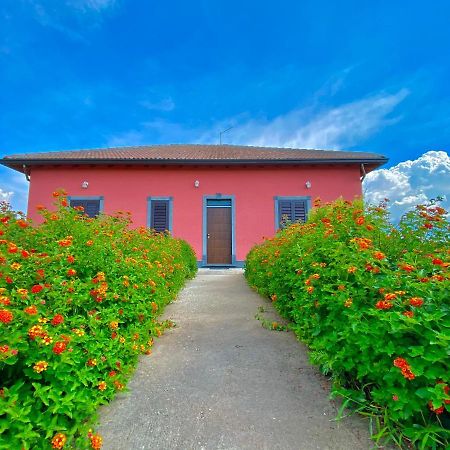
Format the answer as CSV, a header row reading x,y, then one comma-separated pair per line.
x,y
218,235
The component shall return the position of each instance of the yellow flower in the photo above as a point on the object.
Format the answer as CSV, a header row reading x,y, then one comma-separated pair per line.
x,y
40,366
16,266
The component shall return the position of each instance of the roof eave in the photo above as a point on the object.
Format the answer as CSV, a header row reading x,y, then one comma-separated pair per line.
x,y
18,164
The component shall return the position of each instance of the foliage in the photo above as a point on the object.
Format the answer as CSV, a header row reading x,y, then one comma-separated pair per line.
x,y
78,304
371,301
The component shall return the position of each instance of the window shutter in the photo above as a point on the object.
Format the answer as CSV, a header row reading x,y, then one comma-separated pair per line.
x,y
160,215
284,210
291,211
299,211
91,207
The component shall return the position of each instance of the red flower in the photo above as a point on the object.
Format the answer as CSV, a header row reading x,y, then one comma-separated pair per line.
x,y
360,220
71,272
57,320
409,314
390,296
9,280
402,364
59,347
22,223
383,304
25,254
6,316
70,259
113,373
439,410
437,262
36,289
40,273
428,225
416,301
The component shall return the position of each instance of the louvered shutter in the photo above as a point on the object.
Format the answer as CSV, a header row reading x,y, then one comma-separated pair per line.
x,y
299,211
160,215
291,211
91,207
284,211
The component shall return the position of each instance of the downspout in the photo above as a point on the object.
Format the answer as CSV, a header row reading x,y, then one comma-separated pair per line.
x,y
27,174
363,171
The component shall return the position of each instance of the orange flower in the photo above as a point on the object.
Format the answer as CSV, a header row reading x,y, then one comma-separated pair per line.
x,y
58,319
352,269
383,304
388,297
402,364
96,441
102,386
31,310
71,272
6,316
59,347
310,289
90,242
360,220
348,303
409,314
59,440
416,301
379,255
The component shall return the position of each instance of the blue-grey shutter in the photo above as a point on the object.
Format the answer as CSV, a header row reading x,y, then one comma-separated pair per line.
x,y
284,211
299,211
91,207
160,215
291,211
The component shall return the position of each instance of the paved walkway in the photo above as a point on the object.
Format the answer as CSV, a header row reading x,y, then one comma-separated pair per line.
x,y
219,380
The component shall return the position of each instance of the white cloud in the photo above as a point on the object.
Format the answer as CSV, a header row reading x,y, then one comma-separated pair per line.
x,y
410,183
71,17
14,189
5,196
166,104
339,127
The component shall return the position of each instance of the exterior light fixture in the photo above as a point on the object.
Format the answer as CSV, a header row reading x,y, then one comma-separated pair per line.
x,y
308,184
85,184
196,183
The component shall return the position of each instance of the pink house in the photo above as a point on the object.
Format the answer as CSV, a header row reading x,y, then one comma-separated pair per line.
x,y
222,199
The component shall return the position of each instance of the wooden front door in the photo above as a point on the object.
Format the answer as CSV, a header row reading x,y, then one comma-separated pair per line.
x,y
218,235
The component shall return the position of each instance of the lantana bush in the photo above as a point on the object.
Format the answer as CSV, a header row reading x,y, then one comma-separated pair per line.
x,y
79,300
371,300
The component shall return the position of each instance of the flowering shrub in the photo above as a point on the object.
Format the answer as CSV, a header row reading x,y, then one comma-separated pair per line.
x,y
371,302
79,299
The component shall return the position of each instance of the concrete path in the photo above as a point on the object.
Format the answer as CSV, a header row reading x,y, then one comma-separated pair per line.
x,y
219,380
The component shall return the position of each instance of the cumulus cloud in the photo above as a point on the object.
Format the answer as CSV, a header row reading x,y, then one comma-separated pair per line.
x,y
338,127
410,183
5,196
13,189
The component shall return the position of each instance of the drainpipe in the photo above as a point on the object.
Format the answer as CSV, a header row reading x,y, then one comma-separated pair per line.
x,y
363,171
27,174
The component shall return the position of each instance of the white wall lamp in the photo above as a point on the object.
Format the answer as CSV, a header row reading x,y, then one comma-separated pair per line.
x,y
85,184
196,183
308,184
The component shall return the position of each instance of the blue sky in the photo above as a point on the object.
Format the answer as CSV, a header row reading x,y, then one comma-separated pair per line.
x,y
369,76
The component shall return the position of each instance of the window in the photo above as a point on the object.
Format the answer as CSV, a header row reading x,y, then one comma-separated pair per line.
x,y
290,209
92,205
160,213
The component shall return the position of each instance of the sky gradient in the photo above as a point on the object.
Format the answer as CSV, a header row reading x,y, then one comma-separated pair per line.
x,y
346,75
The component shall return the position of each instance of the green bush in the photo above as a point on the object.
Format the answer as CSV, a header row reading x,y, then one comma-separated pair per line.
x,y
371,302
79,299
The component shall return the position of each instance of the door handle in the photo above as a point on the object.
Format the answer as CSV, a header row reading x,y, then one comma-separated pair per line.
x,y
208,236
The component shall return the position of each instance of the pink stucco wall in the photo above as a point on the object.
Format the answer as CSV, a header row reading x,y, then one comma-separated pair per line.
x,y
254,188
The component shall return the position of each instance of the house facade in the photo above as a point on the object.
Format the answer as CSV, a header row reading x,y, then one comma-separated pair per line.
x,y
222,199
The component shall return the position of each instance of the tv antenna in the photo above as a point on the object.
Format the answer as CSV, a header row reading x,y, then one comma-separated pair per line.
x,y
222,132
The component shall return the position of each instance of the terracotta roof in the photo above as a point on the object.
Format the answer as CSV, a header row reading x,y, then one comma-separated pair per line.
x,y
192,154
